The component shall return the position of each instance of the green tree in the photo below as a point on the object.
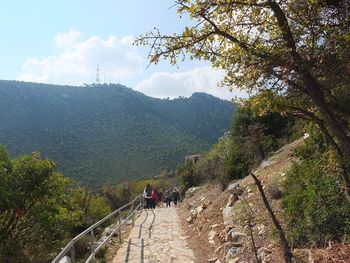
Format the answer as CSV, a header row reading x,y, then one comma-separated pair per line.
x,y
297,50
32,195
188,176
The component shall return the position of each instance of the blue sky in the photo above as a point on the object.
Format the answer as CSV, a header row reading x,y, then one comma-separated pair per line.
x,y
62,42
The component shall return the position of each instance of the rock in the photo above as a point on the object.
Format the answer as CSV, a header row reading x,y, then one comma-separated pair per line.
x,y
222,236
231,200
190,219
227,214
190,192
211,237
264,255
214,226
65,259
217,250
236,237
206,204
218,261
199,209
228,246
213,259
231,253
261,229
234,260
265,164
235,189
108,230
212,234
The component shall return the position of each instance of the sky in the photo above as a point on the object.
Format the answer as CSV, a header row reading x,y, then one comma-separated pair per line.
x,y
63,42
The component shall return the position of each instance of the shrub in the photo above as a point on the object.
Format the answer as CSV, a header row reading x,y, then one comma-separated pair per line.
x,y
275,191
188,177
237,164
315,207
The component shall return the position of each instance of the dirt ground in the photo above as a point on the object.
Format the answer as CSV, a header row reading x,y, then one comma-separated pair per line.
x,y
213,198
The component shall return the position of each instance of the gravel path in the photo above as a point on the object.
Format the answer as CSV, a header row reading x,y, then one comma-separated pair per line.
x,y
156,237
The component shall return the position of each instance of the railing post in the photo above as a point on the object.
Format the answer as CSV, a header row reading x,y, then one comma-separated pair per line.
x,y
120,227
72,254
133,215
92,247
141,202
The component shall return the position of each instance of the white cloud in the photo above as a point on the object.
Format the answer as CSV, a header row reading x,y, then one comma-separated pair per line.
x,y
172,85
68,39
117,58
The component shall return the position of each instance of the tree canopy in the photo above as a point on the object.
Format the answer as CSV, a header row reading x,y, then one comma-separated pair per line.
x,y
294,55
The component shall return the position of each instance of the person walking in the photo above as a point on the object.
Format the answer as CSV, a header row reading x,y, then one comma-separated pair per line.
x,y
154,197
176,195
147,194
160,197
167,196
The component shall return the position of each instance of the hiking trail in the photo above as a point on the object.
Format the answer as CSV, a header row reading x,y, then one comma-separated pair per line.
x,y
156,237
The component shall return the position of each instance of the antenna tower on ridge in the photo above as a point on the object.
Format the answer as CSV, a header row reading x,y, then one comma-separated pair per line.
x,y
98,76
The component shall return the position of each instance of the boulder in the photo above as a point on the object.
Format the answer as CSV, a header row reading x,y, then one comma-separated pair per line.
x,y
235,189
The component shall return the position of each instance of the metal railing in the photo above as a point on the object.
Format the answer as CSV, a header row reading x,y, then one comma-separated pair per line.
x,y
95,247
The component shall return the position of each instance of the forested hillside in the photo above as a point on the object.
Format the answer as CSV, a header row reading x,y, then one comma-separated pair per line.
x,y
107,133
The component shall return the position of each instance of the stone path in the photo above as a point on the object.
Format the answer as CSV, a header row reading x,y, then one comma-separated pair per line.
x,y
165,241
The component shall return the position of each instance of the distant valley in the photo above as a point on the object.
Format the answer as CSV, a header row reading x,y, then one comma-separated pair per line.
x,y
108,133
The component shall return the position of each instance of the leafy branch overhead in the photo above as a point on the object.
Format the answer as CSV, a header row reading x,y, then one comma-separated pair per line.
x,y
294,55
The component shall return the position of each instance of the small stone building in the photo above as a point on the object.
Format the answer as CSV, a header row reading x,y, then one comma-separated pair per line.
x,y
194,158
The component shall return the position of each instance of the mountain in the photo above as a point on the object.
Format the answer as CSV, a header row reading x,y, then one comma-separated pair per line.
x,y
107,133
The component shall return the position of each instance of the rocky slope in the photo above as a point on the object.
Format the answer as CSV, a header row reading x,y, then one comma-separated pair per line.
x,y
223,225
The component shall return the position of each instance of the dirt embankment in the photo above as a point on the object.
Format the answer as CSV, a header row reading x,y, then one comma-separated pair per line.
x,y
220,226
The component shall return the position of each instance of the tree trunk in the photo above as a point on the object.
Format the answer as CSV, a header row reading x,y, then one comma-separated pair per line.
x,y
312,87
287,253
315,93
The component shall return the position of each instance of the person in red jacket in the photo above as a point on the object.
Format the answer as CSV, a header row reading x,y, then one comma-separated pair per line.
x,y
154,197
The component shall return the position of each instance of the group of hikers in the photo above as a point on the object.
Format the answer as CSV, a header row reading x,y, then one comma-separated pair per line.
x,y
154,197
